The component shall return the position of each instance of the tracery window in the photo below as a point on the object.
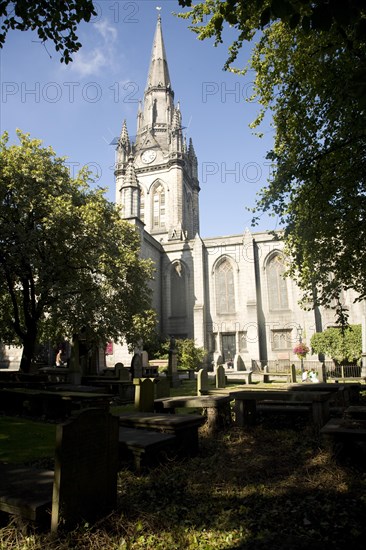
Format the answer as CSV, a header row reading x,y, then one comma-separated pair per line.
x,y
281,340
178,296
224,287
142,206
158,202
277,286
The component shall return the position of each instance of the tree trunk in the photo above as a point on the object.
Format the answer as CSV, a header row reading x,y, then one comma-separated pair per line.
x,y
29,346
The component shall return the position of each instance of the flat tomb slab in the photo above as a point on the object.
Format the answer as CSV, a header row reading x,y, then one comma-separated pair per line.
x,y
142,439
356,412
26,492
190,401
160,421
280,395
345,427
183,426
143,446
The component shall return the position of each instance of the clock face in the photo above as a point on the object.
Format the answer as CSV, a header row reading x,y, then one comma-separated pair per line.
x,y
148,156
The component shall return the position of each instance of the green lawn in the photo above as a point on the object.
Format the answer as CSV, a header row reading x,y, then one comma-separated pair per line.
x,y
23,440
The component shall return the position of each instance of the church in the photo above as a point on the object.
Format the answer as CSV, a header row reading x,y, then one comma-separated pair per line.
x,y
227,293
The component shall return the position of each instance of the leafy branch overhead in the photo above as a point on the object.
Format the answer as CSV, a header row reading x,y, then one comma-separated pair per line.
x,y
309,60
53,20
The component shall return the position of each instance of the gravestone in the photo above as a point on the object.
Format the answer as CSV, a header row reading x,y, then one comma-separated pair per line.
x,y
172,375
86,466
293,373
122,373
239,363
75,366
219,360
202,382
220,376
145,359
144,394
162,387
322,374
136,366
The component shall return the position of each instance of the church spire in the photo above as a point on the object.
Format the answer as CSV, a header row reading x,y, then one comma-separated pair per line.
x,y
158,73
155,118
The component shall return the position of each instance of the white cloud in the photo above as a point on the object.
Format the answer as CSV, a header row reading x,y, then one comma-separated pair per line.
x,y
87,62
107,31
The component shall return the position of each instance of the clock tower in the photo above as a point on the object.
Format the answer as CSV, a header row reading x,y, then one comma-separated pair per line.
x,y
165,166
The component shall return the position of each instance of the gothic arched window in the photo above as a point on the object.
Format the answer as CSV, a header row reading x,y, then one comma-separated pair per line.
x,y
158,204
224,287
277,286
178,298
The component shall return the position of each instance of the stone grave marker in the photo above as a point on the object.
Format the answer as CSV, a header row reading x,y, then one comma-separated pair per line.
x,y
202,382
293,373
172,375
162,387
136,366
145,359
220,376
122,373
86,466
238,362
144,394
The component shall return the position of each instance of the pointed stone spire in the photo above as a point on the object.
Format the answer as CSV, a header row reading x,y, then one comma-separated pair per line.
x,y
176,122
157,113
191,150
123,149
124,137
158,73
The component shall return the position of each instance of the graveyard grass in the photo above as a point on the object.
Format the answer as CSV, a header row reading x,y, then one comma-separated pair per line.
x,y
23,441
274,486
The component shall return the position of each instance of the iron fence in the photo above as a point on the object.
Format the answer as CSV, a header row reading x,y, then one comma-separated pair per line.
x,y
332,371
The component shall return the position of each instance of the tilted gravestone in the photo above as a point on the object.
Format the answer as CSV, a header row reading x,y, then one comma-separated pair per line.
x,y
202,382
86,466
220,376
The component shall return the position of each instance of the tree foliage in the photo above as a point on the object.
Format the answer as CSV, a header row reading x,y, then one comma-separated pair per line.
x,y
310,65
189,356
53,20
248,16
67,259
343,346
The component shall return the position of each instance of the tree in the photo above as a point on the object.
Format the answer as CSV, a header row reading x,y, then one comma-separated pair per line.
x,y
311,76
249,16
189,356
54,20
343,346
67,259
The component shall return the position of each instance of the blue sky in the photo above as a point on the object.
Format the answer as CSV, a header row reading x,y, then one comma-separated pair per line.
x,y
79,108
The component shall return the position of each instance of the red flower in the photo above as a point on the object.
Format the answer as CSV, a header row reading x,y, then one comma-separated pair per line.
x,y
301,349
